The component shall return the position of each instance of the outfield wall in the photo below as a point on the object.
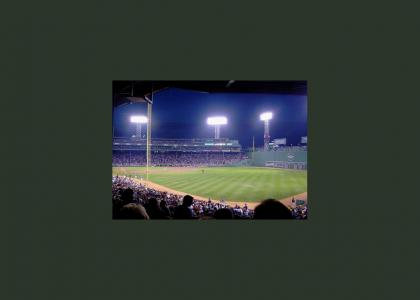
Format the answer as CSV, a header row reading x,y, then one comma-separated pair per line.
x,y
289,159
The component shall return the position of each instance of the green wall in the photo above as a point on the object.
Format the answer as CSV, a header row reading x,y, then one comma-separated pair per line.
x,y
259,158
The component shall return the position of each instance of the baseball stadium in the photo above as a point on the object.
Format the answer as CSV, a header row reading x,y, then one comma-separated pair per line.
x,y
209,150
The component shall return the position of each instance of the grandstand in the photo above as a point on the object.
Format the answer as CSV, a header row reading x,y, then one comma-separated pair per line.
x,y
204,152
176,152
177,145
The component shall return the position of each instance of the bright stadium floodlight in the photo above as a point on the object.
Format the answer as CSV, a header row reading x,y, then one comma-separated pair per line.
x,y
216,122
138,120
266,117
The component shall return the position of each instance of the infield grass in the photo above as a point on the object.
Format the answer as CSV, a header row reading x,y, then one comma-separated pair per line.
x,y
227,183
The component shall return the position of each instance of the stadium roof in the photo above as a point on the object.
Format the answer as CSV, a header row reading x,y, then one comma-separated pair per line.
x,y
141,91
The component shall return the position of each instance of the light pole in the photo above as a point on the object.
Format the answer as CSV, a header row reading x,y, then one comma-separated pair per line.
x,y
216,122
266,117
138,120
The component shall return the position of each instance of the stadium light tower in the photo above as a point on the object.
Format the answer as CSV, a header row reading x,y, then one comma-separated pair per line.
x,y
266,117
217,122
138,120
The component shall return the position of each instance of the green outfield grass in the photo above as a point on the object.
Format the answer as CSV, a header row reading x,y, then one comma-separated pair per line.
x,y
234,183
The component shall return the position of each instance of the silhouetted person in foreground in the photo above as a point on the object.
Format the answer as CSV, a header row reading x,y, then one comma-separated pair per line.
x,y
126,197
153,210
272,209
184,210
164,208
133,211
223,213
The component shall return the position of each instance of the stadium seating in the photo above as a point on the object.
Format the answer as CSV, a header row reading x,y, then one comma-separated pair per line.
x,y
132,200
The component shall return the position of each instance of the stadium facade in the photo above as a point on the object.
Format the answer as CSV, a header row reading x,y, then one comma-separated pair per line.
x,y
177,145
131,151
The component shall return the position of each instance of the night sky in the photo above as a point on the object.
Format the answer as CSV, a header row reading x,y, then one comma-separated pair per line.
x,y
179,113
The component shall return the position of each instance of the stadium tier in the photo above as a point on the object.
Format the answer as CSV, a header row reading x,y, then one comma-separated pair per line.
x,y
177,145
177,152
175,159
204,152
150,203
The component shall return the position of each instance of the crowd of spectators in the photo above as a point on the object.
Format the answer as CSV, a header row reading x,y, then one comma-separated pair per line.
x,y
132,200
176,159
300,212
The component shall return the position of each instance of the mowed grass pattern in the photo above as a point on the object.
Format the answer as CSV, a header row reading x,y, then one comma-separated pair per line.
x,y
235,184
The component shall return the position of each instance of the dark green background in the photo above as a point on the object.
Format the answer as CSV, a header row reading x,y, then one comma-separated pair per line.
x,y
361,63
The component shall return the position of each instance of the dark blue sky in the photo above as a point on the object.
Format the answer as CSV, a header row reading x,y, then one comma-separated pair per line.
x,y
181,113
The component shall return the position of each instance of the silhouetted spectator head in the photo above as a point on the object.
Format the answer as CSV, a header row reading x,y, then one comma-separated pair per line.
x,y
133,211
272,209
127,196
164,208
153,209
153,202
163,204
187,200
184,211
223,213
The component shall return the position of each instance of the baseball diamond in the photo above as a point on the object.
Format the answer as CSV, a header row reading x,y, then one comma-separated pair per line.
x,y
210,150
239,184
